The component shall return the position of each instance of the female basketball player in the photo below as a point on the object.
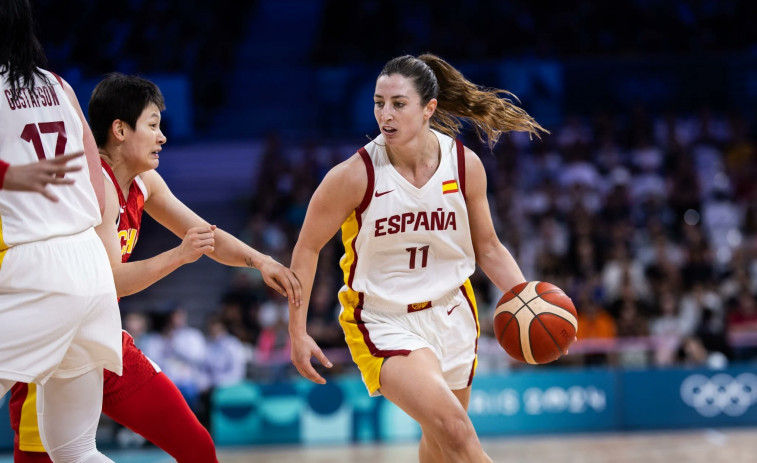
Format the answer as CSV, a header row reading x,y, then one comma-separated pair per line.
x,y
415,221
59,322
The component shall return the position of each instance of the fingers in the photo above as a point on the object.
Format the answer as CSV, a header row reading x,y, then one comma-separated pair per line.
x,y
323,359
59,166
62,181
306,368
290,286
274,283
296,288
307,371
198,241
303,349
67,157
282,280
62,161
64,169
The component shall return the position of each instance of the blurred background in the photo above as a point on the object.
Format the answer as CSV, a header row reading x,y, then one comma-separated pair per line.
x,y
641,204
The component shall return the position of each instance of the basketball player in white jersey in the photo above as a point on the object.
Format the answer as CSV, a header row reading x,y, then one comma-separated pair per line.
x,y
415,221
59,320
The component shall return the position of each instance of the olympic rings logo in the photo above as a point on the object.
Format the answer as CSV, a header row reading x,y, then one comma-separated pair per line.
x,y
720,394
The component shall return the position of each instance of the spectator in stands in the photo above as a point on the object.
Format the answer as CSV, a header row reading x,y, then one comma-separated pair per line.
x,y
666,327
595,324
227,357
181,351
742,316
622,269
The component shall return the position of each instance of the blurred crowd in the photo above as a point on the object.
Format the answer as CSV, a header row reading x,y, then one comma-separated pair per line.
x,y
494,29
648,223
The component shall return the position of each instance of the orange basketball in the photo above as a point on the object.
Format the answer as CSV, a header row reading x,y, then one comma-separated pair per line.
x,y
535,322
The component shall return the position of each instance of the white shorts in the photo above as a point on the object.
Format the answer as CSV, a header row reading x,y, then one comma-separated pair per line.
x,y
58,310
450,331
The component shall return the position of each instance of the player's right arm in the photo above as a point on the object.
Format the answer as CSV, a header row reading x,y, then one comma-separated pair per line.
x,y
491,255
132,277
90,149
336,197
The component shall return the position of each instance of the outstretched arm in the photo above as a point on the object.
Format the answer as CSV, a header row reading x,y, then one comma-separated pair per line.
x,y
170,212
491,255
336,198
132,277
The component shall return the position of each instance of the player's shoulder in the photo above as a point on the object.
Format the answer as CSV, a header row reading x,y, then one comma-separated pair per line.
x,y
112,201
475,173
471,159
470,155
350,172
152,183
345,183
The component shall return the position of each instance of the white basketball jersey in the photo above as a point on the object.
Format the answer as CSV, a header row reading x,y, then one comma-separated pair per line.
x,y
40,124
408,246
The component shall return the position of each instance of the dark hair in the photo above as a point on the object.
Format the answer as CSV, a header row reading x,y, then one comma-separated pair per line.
x,y
122,97
21,54
490,112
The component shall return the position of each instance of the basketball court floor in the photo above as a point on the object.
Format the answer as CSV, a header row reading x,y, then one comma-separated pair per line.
x,y
693,446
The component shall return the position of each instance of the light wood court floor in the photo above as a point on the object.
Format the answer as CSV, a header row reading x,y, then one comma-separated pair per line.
x,y
695,446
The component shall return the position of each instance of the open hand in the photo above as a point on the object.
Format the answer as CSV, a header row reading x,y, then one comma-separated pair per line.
x,y
303,349
281,279
37,175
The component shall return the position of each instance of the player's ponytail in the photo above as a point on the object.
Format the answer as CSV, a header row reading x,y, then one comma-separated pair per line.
x,y
490,111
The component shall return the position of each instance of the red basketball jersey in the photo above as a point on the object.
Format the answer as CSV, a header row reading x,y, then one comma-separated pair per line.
x,y
130,211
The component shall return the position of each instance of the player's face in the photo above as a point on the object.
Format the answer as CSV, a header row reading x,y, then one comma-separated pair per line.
x,y
146,140
398,109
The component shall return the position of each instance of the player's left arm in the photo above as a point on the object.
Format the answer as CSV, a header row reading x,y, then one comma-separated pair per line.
x,y
169,211
491,255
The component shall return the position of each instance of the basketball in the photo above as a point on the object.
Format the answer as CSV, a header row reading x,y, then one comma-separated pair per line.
x,y
535,322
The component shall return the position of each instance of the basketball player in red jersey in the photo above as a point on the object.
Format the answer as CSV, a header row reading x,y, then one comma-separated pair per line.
x,y
124,114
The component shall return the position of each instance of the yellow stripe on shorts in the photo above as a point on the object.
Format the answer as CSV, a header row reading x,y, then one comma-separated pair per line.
x,y
3,247
28,429
468,293
370,366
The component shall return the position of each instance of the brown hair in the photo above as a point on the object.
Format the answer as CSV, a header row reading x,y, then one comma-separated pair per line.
x,y
489,110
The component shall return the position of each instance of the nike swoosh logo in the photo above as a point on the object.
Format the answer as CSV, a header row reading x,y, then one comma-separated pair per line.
x,y
383,193
449,312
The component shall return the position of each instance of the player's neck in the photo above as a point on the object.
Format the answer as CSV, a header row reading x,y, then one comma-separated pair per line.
x,y
123,175
418,156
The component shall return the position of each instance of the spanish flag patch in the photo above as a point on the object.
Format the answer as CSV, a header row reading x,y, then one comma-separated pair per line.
x,y
450,186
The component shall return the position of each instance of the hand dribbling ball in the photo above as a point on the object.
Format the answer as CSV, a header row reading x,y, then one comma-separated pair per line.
x,y
535,322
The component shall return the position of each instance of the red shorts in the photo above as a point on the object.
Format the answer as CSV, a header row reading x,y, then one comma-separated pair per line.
x,y
138,370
